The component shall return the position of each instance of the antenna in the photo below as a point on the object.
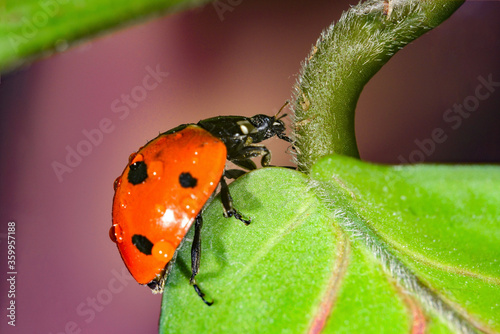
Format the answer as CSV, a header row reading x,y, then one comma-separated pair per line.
x,y
282,107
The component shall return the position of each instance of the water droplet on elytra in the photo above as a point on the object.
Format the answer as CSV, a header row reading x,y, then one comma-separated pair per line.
x,y
188,204
116,233
135,158
131,157
117,183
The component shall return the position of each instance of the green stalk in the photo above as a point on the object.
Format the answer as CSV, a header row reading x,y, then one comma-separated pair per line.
x,y
344,58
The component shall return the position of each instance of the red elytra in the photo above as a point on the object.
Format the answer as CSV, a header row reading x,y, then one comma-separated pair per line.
x,y
152,214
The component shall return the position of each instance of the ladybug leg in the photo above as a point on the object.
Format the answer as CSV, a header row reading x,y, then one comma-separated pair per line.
x,y
227,202
196,256
284,137
252,151
265,153
255,151
266,158
287,139
196,249
233,173
244,163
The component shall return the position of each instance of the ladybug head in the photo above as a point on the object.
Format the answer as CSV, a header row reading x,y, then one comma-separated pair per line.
x,y
266,127
270,126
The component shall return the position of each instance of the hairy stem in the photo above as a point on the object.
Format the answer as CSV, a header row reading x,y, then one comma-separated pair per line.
x,y
344,58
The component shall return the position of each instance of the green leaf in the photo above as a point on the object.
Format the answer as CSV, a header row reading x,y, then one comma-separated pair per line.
x,y
397,241
29,28
435,228
267,277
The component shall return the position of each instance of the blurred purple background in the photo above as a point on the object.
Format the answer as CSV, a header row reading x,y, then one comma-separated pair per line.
x,y
70,275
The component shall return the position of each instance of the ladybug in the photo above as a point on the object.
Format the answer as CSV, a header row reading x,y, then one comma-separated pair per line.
x,y
167,182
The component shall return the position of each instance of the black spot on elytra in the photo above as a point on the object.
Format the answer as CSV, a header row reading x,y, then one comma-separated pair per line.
x,y
142,243
187,180
138,172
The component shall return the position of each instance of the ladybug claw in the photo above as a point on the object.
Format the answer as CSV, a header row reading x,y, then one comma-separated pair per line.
x,y
237,215
201,294
245,221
